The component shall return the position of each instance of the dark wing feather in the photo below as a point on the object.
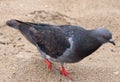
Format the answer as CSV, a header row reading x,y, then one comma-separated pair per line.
x,y
52,41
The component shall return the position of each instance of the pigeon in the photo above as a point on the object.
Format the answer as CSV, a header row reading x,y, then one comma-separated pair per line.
x,y
62,43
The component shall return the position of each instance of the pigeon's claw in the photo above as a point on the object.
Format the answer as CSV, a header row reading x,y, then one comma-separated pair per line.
x,y
49,64
65,73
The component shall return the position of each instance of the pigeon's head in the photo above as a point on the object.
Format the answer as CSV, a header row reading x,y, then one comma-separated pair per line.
x,y
103,35
13,23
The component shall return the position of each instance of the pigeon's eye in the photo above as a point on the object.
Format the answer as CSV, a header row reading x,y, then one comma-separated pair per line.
x,y
104,36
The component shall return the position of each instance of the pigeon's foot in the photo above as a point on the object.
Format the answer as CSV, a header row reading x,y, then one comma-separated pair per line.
x,y
49,64
65,73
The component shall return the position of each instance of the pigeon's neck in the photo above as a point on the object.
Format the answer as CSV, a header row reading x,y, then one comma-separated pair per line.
x,y
95,34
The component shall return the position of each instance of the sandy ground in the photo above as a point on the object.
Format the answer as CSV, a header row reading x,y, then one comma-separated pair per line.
x,y
21,62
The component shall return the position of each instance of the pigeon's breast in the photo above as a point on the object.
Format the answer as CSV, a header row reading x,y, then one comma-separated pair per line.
x,y
85,45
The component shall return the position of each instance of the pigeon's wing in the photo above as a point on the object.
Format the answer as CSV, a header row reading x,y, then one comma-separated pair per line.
x,y
51,41
49,38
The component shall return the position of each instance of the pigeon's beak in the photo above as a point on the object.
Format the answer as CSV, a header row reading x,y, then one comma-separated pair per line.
x,y
112,41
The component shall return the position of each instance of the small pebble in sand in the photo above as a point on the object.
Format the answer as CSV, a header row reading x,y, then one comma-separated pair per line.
x,y
116,72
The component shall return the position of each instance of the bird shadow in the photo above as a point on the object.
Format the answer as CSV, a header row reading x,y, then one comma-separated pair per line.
x,y
78,73
36,68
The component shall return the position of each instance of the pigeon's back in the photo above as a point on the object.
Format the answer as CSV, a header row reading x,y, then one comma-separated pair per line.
x,y
29,30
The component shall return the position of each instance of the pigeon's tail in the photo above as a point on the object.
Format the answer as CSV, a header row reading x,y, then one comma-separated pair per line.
x,y
14,23
24,28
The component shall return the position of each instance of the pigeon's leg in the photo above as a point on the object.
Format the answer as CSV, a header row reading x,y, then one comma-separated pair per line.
x,y
64,72
49,64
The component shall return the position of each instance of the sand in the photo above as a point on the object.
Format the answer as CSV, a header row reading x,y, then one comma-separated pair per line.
x,y
21,62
